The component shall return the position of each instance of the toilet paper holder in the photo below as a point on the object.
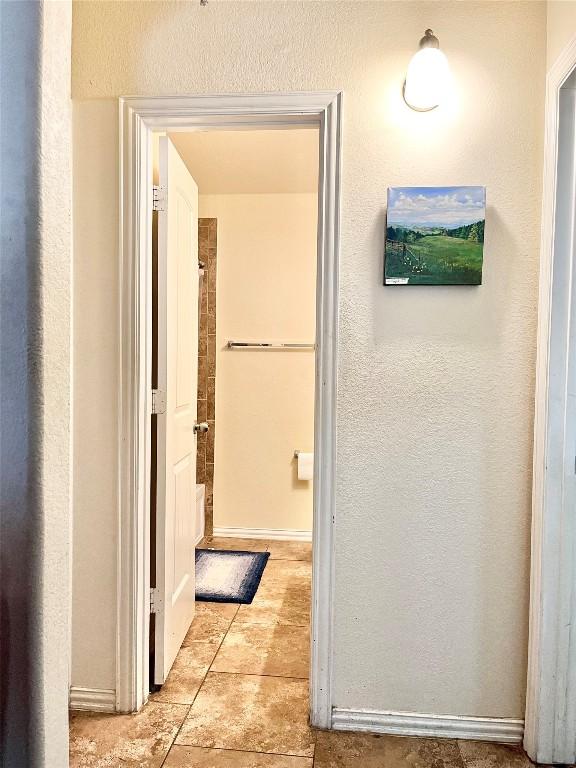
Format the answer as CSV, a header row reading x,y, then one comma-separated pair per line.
x,y
305,465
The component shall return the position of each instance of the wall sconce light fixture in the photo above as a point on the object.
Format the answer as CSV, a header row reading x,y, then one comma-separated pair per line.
x,y
427,76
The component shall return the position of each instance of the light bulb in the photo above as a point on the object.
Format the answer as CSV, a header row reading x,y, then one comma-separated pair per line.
x,y
428,76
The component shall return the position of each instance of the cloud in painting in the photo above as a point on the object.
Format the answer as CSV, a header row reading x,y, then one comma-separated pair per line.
x,y
435,206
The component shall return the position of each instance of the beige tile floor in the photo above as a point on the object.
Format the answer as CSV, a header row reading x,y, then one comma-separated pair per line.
x,y
237,696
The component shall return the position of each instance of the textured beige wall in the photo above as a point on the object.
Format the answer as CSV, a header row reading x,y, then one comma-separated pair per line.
x,y
435,389
54,274
96,382
264,400
561,27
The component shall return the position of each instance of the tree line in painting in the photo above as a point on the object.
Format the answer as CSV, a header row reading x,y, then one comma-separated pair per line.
x,y
473,232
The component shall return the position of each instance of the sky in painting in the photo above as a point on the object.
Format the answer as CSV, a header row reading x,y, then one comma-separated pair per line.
x,y
446,207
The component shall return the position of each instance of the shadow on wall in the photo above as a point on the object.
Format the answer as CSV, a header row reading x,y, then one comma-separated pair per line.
x,y
451,315
22,514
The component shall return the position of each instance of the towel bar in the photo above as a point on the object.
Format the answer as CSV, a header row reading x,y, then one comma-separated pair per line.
x,y
268,345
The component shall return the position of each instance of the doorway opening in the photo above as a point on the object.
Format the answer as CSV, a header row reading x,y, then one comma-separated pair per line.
x,y
141,118
234,242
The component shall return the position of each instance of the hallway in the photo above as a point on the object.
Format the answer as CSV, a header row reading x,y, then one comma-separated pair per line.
x,y
237,696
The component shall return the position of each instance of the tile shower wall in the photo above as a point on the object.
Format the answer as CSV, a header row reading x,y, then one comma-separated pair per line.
x,y
207,362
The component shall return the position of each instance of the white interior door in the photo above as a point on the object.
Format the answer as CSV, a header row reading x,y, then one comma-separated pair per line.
x,y
177,386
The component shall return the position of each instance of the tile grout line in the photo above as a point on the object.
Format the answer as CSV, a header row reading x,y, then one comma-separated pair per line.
x,y
258,674
463,761
197,692
215,672
177,732
173,742
307,626
271,624
246,751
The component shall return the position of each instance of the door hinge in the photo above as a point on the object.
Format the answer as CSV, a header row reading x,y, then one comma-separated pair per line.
x,y
158,198
158,401
155,600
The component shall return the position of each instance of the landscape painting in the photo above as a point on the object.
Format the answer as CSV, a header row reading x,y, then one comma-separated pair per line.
x,y
434,236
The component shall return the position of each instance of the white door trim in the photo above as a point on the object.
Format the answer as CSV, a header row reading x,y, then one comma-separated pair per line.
x,y
550,724
138,118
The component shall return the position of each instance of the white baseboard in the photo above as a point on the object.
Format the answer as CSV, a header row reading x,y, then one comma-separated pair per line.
x,y
264,533
92,699
437,726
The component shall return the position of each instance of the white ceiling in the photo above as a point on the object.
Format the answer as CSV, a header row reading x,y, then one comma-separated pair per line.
x,y
251,162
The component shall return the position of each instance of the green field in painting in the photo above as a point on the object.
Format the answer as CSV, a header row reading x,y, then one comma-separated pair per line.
x,y
436,260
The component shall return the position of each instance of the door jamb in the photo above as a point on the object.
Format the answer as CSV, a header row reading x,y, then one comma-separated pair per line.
x,y
550,723
139,117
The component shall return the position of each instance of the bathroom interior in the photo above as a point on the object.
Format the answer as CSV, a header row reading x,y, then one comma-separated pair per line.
x,y
257,250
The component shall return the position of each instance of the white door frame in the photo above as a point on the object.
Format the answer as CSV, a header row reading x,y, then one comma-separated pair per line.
x,y
550,725
139,117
